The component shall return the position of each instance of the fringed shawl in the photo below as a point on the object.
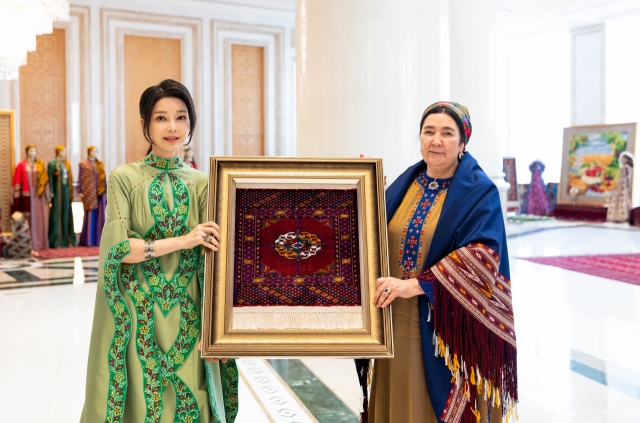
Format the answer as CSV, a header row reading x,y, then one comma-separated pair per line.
x,y
467,265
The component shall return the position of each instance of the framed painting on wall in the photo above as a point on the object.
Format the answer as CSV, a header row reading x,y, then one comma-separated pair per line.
x,y
303,243
590,161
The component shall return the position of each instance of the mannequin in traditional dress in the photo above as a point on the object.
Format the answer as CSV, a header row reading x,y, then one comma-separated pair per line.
x,y
92,183
187,156
536,200
620,205
31,196
61,232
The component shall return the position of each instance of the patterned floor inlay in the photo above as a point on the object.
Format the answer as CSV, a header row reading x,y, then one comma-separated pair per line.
x,y
275,399
608,374
30,274
325,406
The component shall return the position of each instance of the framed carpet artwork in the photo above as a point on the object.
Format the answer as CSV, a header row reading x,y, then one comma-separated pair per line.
x,y
303,243
590,161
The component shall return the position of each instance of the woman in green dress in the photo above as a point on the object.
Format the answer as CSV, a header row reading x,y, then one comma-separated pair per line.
x,y
144,364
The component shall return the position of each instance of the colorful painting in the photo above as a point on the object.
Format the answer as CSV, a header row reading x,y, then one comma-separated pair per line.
x,y
590,161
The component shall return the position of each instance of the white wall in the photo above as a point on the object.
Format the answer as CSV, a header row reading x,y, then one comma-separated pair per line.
x,y
538,101
623,79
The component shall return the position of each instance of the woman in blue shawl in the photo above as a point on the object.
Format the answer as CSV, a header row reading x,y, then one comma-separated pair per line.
x,y
454,339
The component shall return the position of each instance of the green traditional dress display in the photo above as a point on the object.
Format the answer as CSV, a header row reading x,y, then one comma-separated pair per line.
x,y
61,233
144,365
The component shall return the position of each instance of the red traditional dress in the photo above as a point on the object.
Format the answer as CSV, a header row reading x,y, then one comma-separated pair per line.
x,y
29,185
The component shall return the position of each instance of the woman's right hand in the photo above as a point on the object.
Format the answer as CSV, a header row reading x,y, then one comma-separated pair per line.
x,y
199,233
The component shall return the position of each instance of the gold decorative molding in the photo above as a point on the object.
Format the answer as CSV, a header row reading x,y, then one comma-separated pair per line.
x,y
7,166
271,38
247,88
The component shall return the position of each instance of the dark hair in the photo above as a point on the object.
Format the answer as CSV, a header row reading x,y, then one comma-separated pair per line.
x,y
165,89
26,149
449,113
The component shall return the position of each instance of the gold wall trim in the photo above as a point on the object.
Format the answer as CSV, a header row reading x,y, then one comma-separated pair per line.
x,y
7,165
271,38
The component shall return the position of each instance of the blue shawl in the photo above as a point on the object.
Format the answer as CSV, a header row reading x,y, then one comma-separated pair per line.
x,y
471,213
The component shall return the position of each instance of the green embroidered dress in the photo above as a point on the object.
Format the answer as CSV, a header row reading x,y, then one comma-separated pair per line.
x,y
144,365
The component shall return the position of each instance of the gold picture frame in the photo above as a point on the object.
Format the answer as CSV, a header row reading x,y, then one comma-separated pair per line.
x,y
231,178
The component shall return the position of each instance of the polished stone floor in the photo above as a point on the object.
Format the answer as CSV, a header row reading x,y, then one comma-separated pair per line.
x,y
578,341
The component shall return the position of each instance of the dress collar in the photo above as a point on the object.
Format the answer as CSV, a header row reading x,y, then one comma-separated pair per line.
x,y
164,164
433,184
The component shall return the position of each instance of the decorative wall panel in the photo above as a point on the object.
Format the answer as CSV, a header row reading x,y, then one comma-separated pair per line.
x,y
43,103
115,26
147,61
247,98
7,145
227,37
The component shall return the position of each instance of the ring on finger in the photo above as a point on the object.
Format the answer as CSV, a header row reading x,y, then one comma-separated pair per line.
x,y
386,291
207,238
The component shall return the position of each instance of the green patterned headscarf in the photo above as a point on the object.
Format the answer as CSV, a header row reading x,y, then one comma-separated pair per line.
x,y
463,121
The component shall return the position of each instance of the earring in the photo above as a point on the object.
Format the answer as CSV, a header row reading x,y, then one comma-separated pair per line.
x,y
460,155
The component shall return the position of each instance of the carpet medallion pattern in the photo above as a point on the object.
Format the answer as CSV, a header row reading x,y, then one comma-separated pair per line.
x,y
296,247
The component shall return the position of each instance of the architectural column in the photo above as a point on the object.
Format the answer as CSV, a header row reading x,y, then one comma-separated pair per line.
x,y
366,70
5,94
476,82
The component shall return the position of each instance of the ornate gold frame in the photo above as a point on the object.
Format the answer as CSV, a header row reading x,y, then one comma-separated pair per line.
x,y
8,149
219,340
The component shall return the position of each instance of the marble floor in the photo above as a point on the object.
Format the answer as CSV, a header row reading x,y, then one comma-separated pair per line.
x,y
578,341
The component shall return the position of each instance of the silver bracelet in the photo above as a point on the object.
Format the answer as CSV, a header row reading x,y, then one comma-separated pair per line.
x,y
149,252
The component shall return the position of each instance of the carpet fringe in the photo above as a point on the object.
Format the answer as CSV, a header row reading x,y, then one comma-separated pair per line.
x,y
284,317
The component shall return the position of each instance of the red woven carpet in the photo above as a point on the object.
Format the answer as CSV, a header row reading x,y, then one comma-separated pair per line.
x,y
54,253
620,267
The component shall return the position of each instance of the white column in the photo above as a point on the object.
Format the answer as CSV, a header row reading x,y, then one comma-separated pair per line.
x,y
366,70
5,94
476,82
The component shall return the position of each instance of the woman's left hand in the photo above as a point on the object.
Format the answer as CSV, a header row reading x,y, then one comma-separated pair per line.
x,y
209,360
388,289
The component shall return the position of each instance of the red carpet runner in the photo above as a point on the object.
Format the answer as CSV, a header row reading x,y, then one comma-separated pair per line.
x,y
54,253
620,267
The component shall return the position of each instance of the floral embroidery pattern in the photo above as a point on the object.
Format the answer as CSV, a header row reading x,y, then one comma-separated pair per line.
x,y
230,389
165,164
229,374
168,225
122,320
159,368
146,345
411,251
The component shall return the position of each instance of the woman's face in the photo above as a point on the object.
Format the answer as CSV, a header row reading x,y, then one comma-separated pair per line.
x,y
169,127
93,153
32,153
62,154
440,145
